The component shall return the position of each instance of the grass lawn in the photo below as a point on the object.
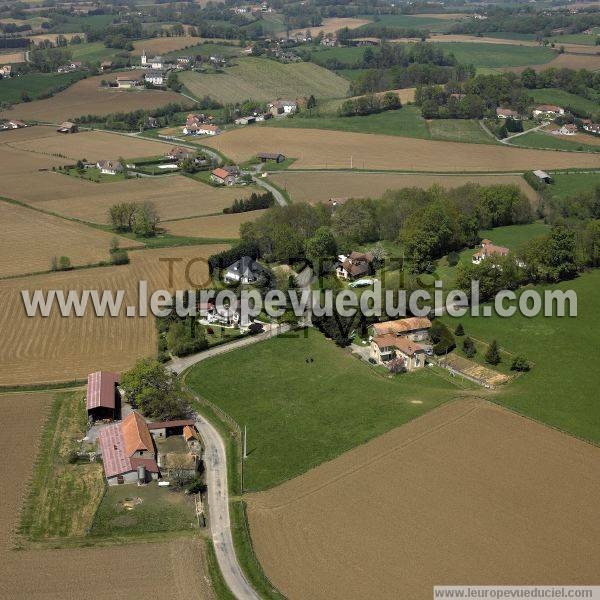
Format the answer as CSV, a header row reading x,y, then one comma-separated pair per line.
x,y
94,174
35,85
76,23
575,38
560,389
92,52
161,509
422,21
493,56
348,55
459,130
538,139
62,497
571,184
406,122
301,414
579,104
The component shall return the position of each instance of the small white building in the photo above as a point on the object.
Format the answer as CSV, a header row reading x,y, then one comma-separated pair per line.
x,y
127,81
548,110
283,107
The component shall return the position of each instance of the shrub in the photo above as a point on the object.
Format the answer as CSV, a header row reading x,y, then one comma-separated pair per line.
x,y
119,257
469,347
520,363
453,258
460,330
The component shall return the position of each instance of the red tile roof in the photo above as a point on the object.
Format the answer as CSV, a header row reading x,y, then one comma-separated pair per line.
x,y
111,445
101,389
402,325
405,345
175,423
189,433
221,173
136,434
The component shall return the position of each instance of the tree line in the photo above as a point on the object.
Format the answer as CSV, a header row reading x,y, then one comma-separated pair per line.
x,y
370,104
254,202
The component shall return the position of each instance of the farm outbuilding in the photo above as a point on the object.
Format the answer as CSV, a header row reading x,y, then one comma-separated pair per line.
x,y
67,127
103,400
169,428
543,176
273,156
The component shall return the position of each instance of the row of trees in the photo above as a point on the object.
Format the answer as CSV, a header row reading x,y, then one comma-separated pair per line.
x,y
254,202
370,104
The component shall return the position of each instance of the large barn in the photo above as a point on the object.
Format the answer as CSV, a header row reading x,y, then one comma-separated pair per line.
x,y
103,400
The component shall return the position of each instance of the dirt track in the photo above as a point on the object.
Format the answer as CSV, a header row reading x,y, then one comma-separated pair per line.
x,y
171,570
468,493
332,149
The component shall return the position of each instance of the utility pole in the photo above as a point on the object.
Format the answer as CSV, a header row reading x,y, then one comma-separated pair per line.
x,y
245,442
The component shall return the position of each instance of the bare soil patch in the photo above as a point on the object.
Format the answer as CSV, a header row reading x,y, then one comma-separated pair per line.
x,y
468,493
331,25
321,187
32,238
216,226
86,97
334,149
164,45
53,349
178,566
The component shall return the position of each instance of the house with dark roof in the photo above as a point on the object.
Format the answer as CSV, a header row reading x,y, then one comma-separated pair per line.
x,y
270,156
103,400
128,451
245,270
110,167
353,266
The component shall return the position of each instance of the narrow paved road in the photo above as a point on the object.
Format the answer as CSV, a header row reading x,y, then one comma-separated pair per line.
x,y
215,460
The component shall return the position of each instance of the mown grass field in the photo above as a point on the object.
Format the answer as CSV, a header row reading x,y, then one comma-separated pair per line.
x,y
424,21
300,414
62,497
566,353
262,79
34,85
92,52
571,184
498,55
546,141
579,104
206,49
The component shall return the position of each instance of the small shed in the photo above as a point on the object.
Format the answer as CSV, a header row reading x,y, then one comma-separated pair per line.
x,y
267,156
67,127
543,176
168,428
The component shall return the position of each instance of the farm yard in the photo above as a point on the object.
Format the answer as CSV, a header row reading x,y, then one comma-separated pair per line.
x,y
179,565
321,187
215,226
265,80
33,238
329,149
40,350
421,503
87,97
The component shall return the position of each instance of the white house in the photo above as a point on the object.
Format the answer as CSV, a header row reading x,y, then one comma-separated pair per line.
x,y
283,107
507,113
388,348
110,167
487,250
567,129
548,110
155,77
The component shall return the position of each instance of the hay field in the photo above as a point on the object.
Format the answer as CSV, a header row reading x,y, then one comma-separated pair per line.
x,y
87,97
217,226
12,57
177,565
61,349
330,25
564,61
36,39
334,149
262,79
164,45
32,238
321,187
468,493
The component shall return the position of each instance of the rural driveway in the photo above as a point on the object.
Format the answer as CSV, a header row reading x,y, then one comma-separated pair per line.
x,y
215,461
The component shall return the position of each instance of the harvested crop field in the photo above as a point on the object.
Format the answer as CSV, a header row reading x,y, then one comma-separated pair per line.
x,y
262,79
330,25
334,149
51,37
91,145
321,187
12,57
217,226
86,97
62,349
178,565
565,61
164,45
468,493
32,238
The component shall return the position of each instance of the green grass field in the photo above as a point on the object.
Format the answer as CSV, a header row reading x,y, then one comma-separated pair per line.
x,y
76,23
346,55
161,509
575,38
539,139
459,130
424,22
560,389
62,496
92,52
34,84
301,414
571,184
206,50
263,79
494,56
579,104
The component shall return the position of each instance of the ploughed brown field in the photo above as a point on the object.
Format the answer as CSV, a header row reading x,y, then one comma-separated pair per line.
x,y
32,238
216,226
86,97
466,494
334,149
51,349
12,57
120,572
322,187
